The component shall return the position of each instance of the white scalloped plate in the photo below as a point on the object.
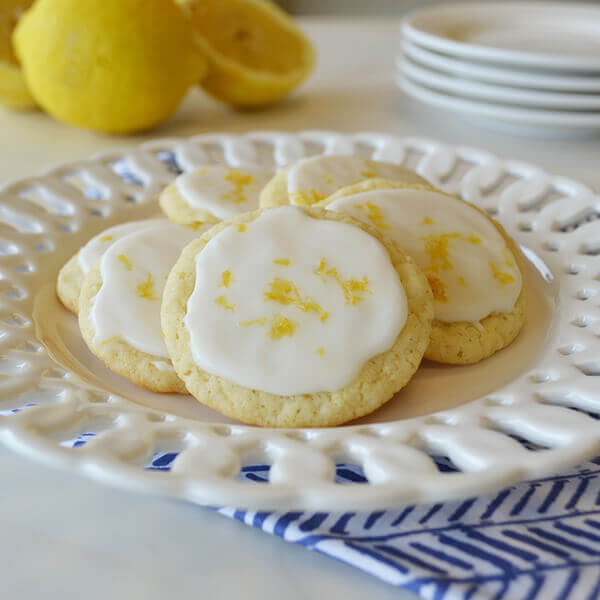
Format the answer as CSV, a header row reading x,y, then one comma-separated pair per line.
x,y
530,410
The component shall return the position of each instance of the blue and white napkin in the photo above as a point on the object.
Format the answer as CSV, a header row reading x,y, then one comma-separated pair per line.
x,y
538,540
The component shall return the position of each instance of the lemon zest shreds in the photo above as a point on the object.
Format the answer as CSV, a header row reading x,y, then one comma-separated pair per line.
x,y
241,227
262,321
226,278
194,226
239,181
284,262
303,198
125,261
285,292
427,221
374,215
107,238
281,326
321,351
437,247
503,278
222,301
353,288
146,289
438,288
508,257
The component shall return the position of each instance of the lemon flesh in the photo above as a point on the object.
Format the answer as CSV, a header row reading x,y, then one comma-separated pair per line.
x,y
256,53
116,66
13,89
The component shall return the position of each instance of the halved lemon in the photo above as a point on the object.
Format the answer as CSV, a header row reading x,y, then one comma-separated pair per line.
x,y
256,53
13,89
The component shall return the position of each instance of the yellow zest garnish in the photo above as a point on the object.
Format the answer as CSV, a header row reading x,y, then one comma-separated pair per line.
x,y
107,238
110,339
194,226
438,288
352,288
327,178
306,198
437,248
285,292
321,351
226,278
461,281
281,326
284,262
262,321
239,180
368,174
125,261
146,289
508,257
222,301
503,278
427,221
374,215
241,227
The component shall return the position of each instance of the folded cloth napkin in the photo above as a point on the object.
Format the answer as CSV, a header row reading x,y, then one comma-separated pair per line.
x,y
538,540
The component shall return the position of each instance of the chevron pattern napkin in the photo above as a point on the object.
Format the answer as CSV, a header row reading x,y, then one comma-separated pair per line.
x,y
537,540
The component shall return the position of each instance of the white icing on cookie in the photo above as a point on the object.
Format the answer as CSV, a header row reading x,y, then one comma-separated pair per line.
x,y
313,179
89,254
223,191
134,272
292,304
470,269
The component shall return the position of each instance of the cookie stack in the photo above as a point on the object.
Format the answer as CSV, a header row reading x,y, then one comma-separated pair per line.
x,y
305,298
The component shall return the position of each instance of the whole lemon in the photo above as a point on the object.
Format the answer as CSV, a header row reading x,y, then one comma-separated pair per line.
x,y
111,65
13,89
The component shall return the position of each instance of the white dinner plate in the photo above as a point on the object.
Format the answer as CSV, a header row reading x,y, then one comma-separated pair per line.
x,y
528,411
560,36
460,87
519,78
528,119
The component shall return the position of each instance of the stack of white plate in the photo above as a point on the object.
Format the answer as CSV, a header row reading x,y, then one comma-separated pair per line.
x,y
525,65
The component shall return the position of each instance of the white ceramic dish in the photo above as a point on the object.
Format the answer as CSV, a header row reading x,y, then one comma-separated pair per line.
x,y
518,78
558,36
523,413
530,120
500,95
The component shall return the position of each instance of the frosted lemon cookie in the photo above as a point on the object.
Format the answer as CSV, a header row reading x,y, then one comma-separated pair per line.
x,y
213,193
72,274
295,317
473,267
119,306
313,179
